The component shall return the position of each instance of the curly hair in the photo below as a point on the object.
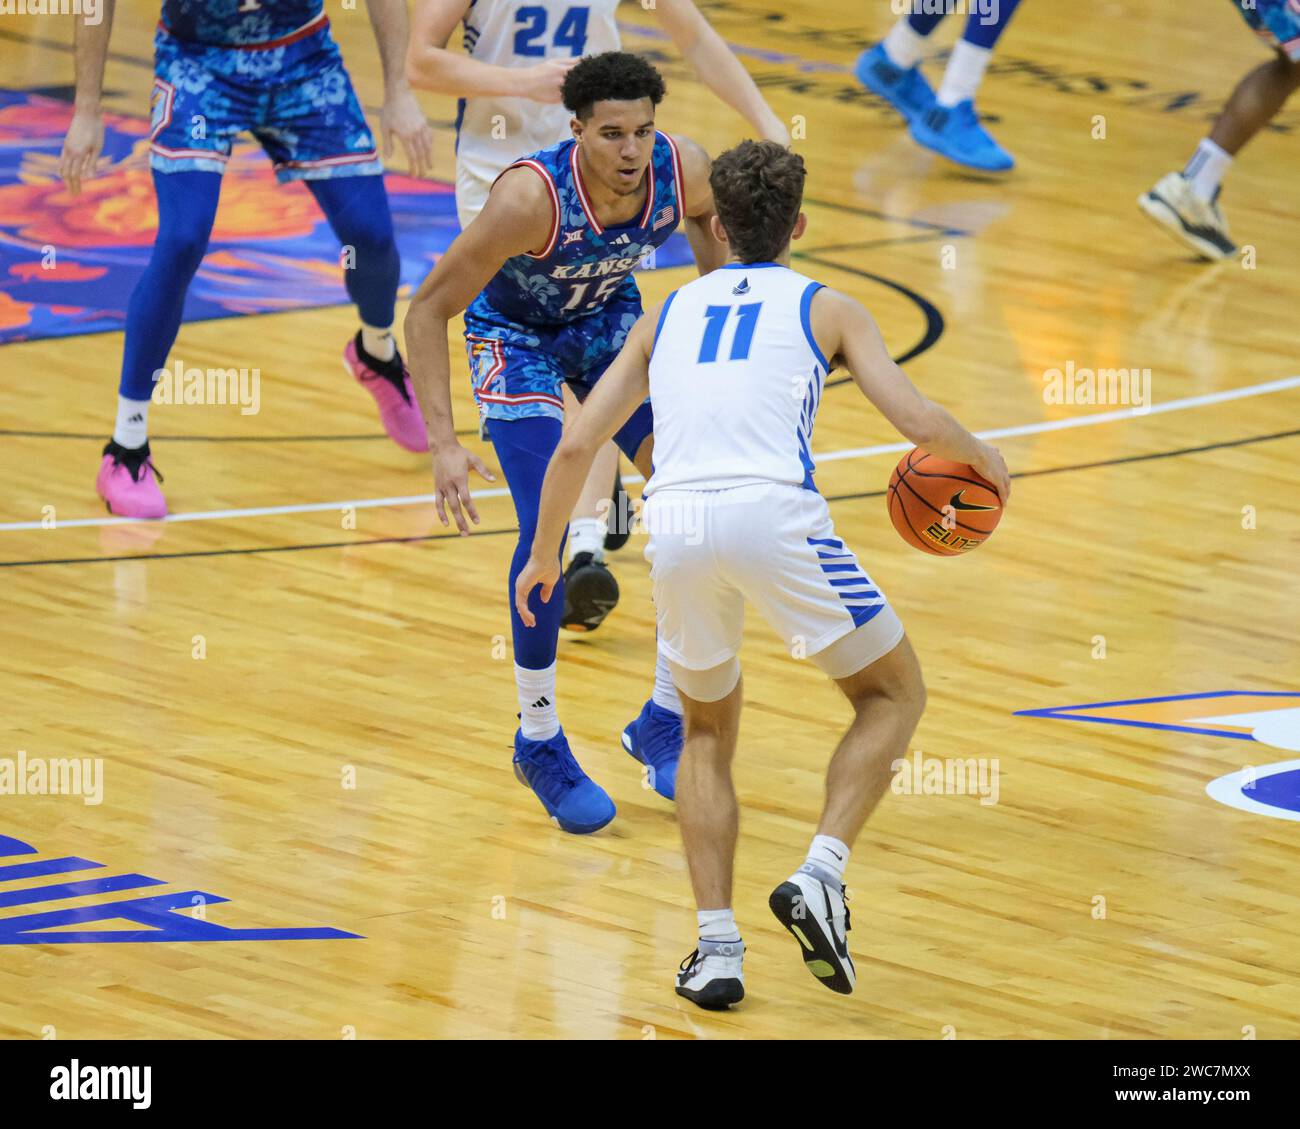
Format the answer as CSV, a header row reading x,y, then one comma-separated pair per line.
x,y
757,191
615,76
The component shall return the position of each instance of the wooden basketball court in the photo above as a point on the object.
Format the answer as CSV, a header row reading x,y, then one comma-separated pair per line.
x,y
303,700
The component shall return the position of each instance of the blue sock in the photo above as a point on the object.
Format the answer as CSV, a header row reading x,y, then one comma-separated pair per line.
x,y
979,33
524,447
357,210
924,24
187,205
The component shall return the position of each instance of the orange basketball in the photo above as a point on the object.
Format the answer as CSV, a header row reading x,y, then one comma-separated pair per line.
x,y
939,506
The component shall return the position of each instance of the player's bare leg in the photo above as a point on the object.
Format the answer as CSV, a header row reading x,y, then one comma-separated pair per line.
x,y
709,818
888,697
590,590
1255,102
1186,203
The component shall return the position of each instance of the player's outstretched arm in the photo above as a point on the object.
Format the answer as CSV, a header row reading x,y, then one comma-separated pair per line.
x,y
516,218
716,67
85,137
430,66
847,333
401,116
698,208
618,393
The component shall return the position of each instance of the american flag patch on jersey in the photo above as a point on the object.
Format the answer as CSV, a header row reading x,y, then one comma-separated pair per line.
x,y
663,217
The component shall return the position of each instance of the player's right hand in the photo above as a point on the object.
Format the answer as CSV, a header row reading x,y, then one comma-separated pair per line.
x,y
81,148
543,82
451,467
993,467
535,572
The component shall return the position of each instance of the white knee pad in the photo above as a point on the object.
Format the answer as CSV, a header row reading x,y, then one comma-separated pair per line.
x,y
710,685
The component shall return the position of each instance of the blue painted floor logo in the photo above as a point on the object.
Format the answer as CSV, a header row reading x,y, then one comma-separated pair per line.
x,y
1268,717
157,915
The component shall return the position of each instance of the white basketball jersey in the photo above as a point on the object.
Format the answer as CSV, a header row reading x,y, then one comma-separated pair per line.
x,y
492,132
735,380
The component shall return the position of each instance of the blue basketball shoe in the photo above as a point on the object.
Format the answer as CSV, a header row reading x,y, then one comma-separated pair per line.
x,y
574,801
655,739
955,132
905,90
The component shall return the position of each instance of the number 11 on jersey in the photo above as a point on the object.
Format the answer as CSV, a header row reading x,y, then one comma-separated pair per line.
x,y
716,316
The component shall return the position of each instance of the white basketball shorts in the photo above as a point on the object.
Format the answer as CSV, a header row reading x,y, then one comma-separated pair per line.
x,y
772,545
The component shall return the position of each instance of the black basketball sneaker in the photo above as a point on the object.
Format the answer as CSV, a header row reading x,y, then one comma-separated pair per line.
x,y
818,918
712,976
590,593
621,516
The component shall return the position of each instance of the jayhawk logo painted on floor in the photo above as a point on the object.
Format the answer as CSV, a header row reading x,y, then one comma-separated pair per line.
x,y
1268,717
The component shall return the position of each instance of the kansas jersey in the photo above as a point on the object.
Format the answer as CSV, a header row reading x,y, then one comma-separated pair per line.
x,y
735,380
240,23
492,132
560,316
583,266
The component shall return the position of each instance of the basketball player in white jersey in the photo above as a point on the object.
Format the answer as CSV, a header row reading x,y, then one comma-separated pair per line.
x,y
735,364
507,83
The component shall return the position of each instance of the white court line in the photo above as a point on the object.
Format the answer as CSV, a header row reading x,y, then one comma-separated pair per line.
x,y
827,457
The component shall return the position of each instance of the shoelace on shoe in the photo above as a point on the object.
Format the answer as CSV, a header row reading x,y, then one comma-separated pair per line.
x,y
135,464
688,965
670,741
392,370
560,765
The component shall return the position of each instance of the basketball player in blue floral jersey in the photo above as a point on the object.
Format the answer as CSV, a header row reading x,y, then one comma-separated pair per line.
x,y
270,67
544,275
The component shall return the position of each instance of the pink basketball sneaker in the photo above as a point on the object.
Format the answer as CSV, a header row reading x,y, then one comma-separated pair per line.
x,y
390,384
128,482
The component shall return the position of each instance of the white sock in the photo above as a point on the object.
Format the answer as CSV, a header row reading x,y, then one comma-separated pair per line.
x,y
717,925
665,693
830,854
587,535
903,45
132,427
1206,169
964,74
537,716
379,343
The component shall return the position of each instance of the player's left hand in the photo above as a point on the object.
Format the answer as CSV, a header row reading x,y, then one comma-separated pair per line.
x,y
402,118
545,573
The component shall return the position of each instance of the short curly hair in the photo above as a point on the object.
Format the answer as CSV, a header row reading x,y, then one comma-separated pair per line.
x,y
615,76
757,192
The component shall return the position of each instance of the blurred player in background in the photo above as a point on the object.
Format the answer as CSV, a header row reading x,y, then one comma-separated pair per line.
x,y
546,273
945,122
223,67
507,83
1186,203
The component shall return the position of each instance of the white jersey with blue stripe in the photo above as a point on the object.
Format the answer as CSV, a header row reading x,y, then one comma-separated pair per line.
x,y
735,381
492,132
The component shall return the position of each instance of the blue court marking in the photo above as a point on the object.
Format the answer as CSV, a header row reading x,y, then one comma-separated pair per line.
x,y
49,866
1063,712
154,913
62,890
1280,790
